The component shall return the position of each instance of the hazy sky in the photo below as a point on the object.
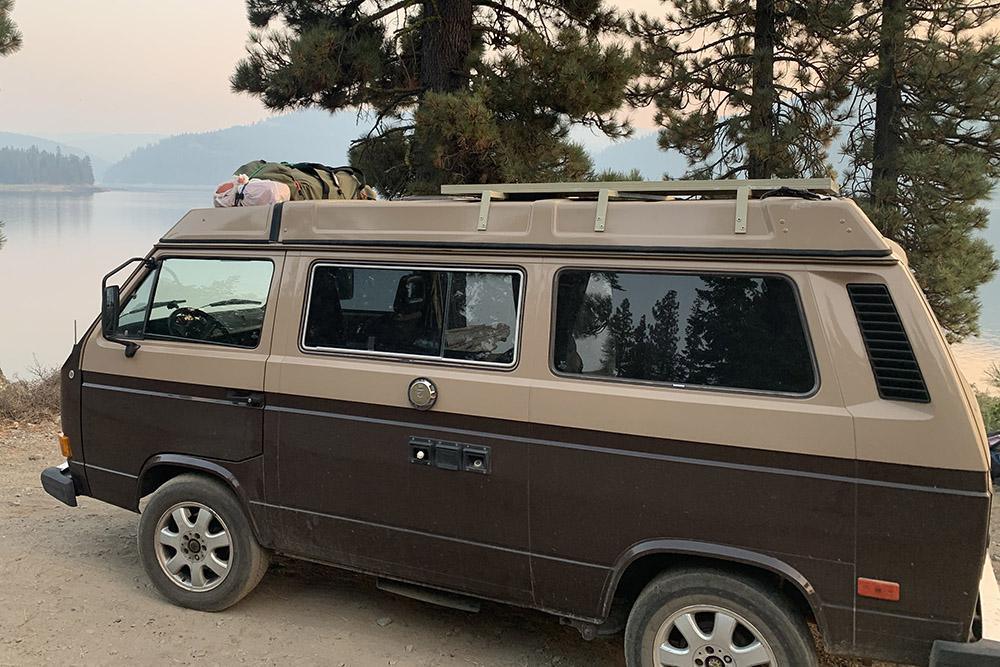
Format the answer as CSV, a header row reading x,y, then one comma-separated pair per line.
x,y
158,66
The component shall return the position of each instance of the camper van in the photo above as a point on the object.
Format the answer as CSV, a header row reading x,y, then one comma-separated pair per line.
x,y
715,417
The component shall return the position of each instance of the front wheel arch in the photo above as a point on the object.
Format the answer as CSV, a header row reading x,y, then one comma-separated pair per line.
x,y
161,468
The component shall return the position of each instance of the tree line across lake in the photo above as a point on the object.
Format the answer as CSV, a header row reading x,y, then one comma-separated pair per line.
x,y
31,166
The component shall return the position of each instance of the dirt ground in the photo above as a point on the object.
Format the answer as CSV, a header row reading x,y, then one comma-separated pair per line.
x,y
72,591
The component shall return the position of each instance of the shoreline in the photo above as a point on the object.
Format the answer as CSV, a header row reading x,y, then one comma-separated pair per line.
x,y
45,188
975,357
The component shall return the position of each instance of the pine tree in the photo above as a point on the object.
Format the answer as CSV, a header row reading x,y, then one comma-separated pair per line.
x,y
458,90
617,350
924,142
745,88
10,36
665,363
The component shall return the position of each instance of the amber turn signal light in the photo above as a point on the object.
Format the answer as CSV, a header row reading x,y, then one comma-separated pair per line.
x,y
64,446
878,589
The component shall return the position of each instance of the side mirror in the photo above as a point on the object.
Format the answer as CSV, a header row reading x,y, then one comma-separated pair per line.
x,y
110,307
111,304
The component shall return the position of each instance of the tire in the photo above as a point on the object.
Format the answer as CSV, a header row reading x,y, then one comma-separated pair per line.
x,y
197,578
705,596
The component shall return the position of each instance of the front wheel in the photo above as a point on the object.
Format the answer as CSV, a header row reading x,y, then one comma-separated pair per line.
x,y
706,618
196,544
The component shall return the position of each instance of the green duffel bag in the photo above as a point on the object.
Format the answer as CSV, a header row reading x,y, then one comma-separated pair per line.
x,y
309,180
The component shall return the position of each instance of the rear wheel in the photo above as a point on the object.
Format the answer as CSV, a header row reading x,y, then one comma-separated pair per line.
x,y
707,618
196,544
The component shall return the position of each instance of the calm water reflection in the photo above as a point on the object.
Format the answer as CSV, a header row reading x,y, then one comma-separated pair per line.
x,y
57,249
59,246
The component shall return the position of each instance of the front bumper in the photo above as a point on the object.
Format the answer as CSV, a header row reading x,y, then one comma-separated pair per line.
x,y
58,483
986,651
983,653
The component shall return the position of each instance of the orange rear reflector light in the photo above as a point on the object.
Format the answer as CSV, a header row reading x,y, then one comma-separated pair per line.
x,y
64,446
878,589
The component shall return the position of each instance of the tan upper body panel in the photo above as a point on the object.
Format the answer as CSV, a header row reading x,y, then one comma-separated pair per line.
x,y
191,362
782,225
240,224
531,392
844,417
940,434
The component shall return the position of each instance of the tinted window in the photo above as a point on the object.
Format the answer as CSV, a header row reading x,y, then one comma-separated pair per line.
x,y
467,315
741,332
218,301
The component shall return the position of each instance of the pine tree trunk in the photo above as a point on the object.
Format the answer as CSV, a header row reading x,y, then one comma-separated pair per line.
x,y
760,158
885,157
446,40
445,44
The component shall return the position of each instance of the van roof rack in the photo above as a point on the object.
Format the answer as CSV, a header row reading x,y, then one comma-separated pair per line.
x,y
742,190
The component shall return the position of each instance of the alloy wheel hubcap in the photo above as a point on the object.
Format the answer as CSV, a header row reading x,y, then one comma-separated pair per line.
x,y
710,636
193,546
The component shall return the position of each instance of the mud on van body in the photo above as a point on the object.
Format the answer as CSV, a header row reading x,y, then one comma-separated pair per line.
x,y
720,418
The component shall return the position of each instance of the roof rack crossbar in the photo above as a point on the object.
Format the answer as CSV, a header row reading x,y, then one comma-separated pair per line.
x,y
742,190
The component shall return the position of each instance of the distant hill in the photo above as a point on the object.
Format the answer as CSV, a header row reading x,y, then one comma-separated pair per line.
x,y
640,152
110,147
315,136
208,158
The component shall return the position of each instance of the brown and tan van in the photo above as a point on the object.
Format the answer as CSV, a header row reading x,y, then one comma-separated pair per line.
x,y
707,414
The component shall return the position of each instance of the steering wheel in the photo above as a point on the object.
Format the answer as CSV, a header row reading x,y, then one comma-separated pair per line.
x,y
194,323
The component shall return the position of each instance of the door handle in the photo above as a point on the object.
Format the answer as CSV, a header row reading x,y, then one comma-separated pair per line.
x,y
250,399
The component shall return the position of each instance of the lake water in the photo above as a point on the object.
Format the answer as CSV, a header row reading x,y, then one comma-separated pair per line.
x,y
59,246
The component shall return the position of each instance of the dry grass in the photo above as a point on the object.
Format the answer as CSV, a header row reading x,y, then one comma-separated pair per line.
x,y
30,399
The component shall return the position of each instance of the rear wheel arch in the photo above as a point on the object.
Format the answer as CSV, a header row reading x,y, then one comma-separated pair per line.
x,y
161,468
644,562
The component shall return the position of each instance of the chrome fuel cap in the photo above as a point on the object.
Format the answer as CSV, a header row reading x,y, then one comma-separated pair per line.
x,y
422,394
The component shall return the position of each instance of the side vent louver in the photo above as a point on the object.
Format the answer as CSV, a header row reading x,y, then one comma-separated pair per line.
x,y
897,374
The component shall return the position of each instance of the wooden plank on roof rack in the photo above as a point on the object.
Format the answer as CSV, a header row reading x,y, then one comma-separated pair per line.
x,y
678,187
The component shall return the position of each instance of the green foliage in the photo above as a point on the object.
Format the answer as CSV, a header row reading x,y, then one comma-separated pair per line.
x,y
615,175
762,87
990,407
30,165
458,92
10,36
989,404
940,154
744,88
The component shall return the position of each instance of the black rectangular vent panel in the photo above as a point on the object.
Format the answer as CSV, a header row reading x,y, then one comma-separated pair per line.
x,y
897,373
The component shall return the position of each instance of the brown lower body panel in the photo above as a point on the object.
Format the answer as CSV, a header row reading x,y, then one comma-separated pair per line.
x,y
561,512
571,503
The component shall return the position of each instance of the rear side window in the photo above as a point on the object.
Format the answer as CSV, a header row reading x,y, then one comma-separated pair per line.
x,y
714,330
410,311
219,301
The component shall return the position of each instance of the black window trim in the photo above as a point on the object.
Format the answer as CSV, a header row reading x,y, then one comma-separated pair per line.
x,y
152,297
415,358
680,386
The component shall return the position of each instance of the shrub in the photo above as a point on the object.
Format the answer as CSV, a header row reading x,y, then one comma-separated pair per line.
x,y
989,403
34,398
990,406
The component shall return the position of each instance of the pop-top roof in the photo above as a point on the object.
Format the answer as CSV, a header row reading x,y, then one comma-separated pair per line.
x,y
731,217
